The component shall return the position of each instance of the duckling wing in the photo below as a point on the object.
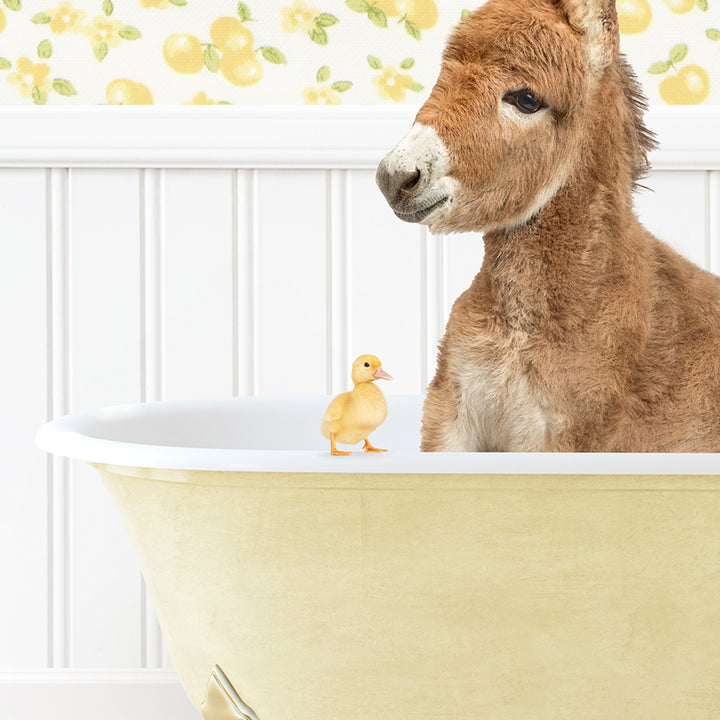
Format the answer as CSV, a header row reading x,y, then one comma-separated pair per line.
x,y
333,415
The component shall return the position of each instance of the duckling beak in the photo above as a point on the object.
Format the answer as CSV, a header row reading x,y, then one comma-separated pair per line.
x,y
380,374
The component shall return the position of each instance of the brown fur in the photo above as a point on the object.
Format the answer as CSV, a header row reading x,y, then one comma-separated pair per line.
x,y
582,331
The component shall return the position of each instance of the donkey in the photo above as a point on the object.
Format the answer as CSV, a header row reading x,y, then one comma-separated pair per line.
x,y
582,331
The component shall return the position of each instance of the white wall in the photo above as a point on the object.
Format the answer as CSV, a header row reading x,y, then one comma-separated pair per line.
x,y
167,254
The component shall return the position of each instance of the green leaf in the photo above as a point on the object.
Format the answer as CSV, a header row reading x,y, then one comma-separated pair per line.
x,y
412,30
64,87
273,55
407,63
178,3
100,51
678,53
39,97
377,16
13,4
212,59
41,19
416,87
323,74
326,20
130,33
5,64
360,6
342,86
244,12
107,7
713,34
702,4
319,36
44,49
659,68
374,62
465,14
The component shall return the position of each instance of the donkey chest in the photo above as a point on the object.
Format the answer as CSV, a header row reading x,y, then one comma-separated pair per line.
x,y
503,395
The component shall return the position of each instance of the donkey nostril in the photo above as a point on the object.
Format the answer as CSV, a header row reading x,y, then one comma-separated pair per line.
x,y
411,182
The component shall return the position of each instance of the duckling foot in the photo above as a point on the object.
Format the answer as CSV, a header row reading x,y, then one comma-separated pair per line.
x,y
334,450
367,447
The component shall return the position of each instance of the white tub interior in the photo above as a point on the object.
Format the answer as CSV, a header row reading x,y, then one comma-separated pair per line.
x,y
282,434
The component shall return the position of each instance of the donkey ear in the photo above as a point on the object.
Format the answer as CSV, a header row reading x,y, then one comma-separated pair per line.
x,y
597,21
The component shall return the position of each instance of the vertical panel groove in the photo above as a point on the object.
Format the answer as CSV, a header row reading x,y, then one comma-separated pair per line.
x,y
425,263
338,279
59,393
713,221
235,291
152,357
433,302
244,281
50,644
254,290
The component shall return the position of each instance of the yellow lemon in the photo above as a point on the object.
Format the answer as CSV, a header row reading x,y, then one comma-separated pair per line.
x,y
689,87
680,6
126,92
389,7
229,34
423,14
2,19
241,68
184,53
634,16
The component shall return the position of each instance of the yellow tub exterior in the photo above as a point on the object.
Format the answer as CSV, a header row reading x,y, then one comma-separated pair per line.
x,y
439,596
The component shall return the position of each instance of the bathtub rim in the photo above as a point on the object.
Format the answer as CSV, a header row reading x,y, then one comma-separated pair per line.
x,y
69,437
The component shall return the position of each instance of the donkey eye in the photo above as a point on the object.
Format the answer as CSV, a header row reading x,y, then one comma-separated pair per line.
x,y
525,101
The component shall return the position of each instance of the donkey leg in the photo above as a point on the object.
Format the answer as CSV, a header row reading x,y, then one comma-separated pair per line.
x,y
445,424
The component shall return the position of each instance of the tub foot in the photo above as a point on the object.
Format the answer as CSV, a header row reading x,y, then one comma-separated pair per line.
x,y
222,701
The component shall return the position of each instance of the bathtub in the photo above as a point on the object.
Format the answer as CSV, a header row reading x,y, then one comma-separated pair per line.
x,y
293,585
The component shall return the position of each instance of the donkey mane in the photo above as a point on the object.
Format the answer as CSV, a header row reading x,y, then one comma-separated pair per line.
x,y
642,140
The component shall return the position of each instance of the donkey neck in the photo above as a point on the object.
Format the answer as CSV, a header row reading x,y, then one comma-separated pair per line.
x,y
552,273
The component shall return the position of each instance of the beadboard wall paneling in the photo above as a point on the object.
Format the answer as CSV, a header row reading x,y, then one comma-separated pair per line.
x,y
25,398
227,258
291,283
197,285
385,294
104,326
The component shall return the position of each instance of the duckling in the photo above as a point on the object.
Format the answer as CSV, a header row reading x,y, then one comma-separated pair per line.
x,y
352,416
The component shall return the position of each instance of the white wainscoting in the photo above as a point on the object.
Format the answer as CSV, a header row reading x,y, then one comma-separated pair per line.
x,y
149,254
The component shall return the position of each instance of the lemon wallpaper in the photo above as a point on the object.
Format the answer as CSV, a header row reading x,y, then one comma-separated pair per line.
x,y
293,52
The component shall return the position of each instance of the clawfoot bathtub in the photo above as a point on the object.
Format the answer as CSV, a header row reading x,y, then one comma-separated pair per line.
x,y
292,585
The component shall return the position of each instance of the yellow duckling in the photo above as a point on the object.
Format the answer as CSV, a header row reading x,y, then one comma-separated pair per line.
x,y
352,416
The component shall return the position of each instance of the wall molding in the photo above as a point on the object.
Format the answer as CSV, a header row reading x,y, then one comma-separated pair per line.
x,y
110,694
273,137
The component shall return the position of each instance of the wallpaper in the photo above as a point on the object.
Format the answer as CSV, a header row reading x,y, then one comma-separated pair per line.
x,y
294,52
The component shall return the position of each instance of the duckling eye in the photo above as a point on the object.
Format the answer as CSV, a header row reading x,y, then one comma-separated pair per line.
x,y
525,101
367,364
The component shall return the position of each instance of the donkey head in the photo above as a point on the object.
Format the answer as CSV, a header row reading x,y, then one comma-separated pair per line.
x,y
523,89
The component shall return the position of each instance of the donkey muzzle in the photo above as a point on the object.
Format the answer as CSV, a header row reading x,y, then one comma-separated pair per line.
x,y
411,176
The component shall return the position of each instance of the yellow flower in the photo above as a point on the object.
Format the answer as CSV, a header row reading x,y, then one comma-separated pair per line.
x,y
162,4
66,18
391,84
322,95
104,30
201,99
298,17
28,75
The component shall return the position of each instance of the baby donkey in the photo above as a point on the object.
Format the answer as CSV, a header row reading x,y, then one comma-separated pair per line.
x,y
582,331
